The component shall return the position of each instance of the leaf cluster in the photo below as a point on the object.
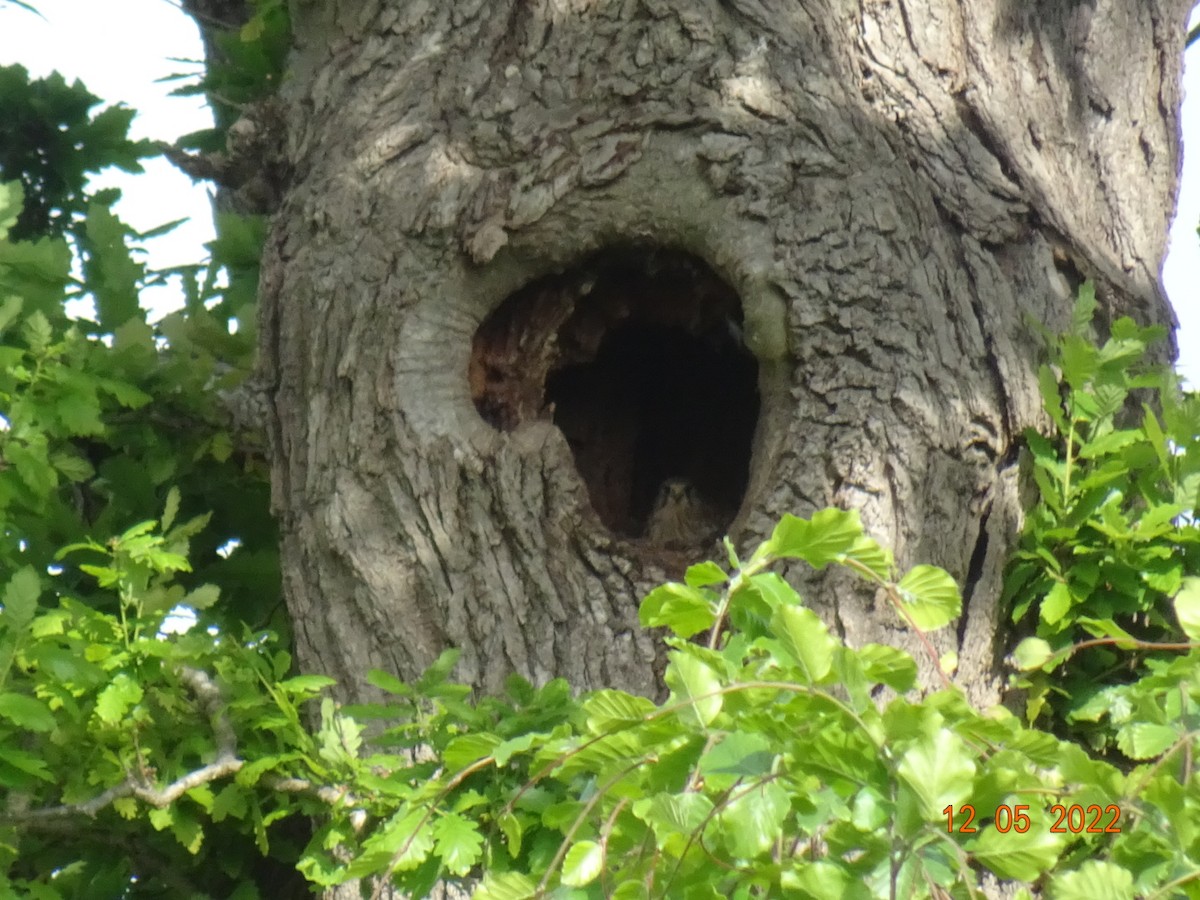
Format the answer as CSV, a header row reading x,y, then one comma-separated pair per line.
x,y
104,724
773,769
101,417
1106,573
50,142
105,419
246,65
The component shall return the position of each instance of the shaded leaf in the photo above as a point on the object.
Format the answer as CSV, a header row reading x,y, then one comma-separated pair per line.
x,y
26,712
21,598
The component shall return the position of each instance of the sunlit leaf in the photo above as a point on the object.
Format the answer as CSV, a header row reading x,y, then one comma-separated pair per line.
x,y
931,597
583,863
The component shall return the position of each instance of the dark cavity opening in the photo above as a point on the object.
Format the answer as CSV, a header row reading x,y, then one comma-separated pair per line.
x,y
637,356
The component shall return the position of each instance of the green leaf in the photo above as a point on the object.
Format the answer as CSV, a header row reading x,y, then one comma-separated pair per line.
x,y
506,886
1108,445
114,701
187,831
74,468
1084,308
1187,607
239,239
939,771
468,749
11,306
887,665
49,624
41,269
26,712
1094,880
21,598
402,844
506,750
1079,359
12,201
826,538
771,589
877,559
458,842
806,639
107,577
388,683
609,710
692,680
739,754
631,890
1032,653
513,831
171,509
1144,740
669,815
1158,521
1155,436
685,610
79,412
202,795
220,447
33,466
1056,603
1123,349
1051,398
583,864
202,597
307,685
931,597
126,394
1021,857
1108,628
249,774
24,764
820,880
704,574
434,677
230,802
752,821
111,272
37,332
138,530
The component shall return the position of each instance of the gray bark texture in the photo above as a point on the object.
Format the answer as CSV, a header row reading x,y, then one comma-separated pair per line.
x,y
891,190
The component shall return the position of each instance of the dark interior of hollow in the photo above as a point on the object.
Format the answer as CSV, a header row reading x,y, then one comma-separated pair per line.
x,y
637,356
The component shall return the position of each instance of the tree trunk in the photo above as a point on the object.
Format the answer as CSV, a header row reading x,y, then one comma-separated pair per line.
x,y
549,267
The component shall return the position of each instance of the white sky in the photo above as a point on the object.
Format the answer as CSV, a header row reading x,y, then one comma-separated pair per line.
x,y
122,64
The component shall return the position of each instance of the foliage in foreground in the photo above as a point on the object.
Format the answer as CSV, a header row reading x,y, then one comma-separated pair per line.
x,y
1112,538
103,411
771,770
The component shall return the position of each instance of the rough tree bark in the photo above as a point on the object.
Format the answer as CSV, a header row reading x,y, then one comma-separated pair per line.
x,y
853,208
